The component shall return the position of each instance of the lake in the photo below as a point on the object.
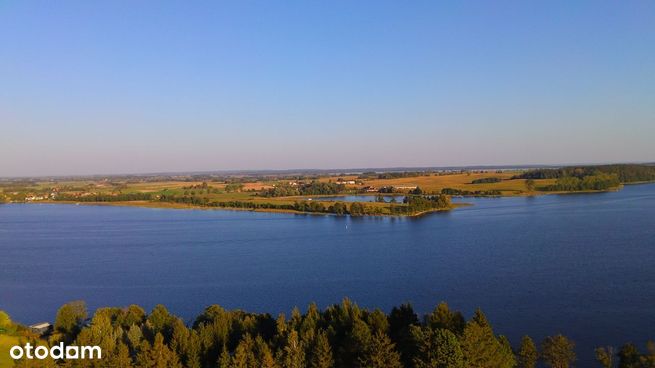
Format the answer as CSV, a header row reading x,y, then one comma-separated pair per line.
x,y
582,265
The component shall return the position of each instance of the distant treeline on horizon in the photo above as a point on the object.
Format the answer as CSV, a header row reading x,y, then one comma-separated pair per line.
x,y
285,173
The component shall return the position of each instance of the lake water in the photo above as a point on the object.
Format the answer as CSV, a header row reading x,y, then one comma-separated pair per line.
x,y
582,265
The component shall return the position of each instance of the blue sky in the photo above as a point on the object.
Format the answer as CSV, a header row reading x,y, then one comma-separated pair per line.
x,y
148,86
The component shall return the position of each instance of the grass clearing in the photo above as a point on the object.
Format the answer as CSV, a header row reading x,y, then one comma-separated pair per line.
x,y
6,342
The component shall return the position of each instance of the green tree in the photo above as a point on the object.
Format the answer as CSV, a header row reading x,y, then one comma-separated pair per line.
x,y
528,354
134,337
356,209
338,208
438,348
605,356
157,356
322,352
70,318
244,355
264,355
293,352
529,185
121,357
558,351
416,191
481,348
629,356
401,320
648,359
443,317
380,353
161,321
133,315
224,360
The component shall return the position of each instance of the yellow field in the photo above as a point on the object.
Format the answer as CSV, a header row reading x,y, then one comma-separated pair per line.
x,y
435,183
6,342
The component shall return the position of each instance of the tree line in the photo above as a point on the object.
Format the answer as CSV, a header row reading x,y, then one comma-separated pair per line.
x,y
416,204
313,188
461,192
626,173
486,180
340,336
412,204
600,181
97,197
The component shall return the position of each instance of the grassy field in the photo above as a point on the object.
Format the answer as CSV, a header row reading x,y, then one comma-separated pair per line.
x,y
435,183
6,342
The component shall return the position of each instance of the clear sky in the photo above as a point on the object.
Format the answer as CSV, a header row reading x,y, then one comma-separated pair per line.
x,y
92,87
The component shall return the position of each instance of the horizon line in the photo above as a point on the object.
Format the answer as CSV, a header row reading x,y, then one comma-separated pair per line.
x,y
326,171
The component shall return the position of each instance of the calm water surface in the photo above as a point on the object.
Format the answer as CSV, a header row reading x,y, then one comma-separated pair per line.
x,y
583,265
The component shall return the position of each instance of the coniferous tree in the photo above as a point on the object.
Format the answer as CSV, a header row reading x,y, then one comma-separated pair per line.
x,y
629,356
161,321
648,359
380,353
481,348
157,356
443,317
121,357
133,315
134,337
263,353
438,348
321,356
401,320
244,354
292,354
558,351
528,354
224,360
69,320
605,356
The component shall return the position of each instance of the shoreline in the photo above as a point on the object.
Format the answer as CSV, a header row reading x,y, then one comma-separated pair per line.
x,y
177,206
182,206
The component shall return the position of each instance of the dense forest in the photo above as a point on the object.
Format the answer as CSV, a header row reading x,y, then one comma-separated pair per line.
x,y
341,336
313,188
418,204
460,192
600,181
626,173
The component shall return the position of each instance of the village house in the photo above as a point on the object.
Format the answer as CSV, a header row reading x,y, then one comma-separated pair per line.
x,y
41,329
